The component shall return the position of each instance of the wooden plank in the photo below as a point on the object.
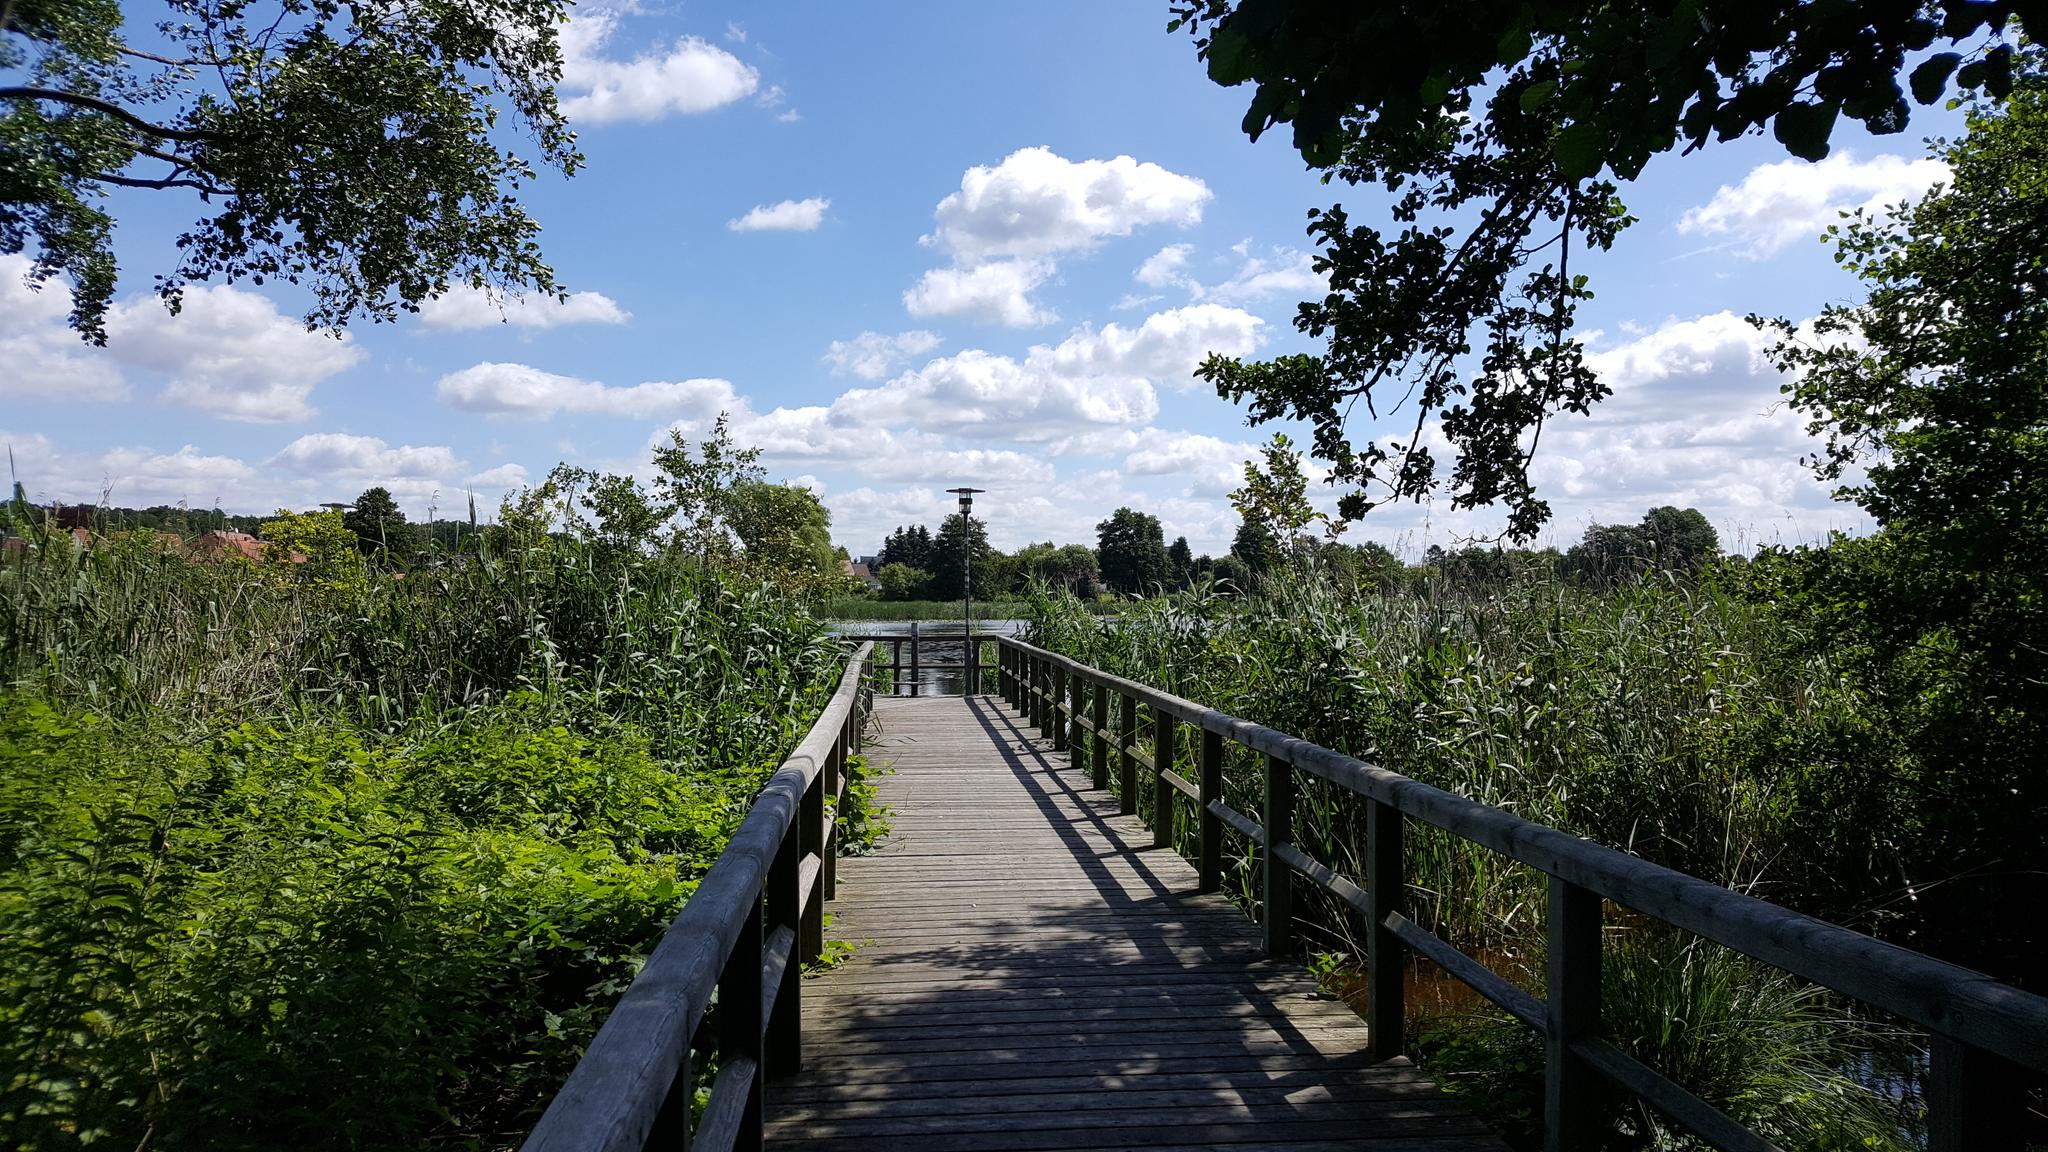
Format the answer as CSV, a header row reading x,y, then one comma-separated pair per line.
x,y
1030,971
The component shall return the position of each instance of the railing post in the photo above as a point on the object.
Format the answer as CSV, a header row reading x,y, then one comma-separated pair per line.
x,y
810,937
1041,682
1058,701
1003,673
1098,712
1209,865
1077,741
970,658
782,1053
739,1020
1571,1089
896,666
1975,1101
1386,964
1127,740
1279,875
1162,792
828,838
916,678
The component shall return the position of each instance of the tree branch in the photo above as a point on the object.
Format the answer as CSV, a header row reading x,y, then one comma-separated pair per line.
x,y
168,182
139,54
115,110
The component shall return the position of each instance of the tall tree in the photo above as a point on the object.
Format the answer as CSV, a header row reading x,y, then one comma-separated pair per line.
x,y
1499,131
959,536
1131,550
784,531
1275,497
697,487
1180,561
1255,547
352,148
379,525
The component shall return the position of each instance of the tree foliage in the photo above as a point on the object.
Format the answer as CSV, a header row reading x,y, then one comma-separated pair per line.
x,y
1935,386
696,487
1499,130
351,148
785,533
961,540
1131,548
379,525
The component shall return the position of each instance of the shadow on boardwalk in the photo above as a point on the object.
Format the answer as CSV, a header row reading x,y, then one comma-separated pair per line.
x,y
1030,973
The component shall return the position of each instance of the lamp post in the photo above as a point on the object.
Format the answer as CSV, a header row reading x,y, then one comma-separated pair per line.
x,y
970,662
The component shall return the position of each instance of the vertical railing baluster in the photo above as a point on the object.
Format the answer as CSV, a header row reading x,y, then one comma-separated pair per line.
x,y
810,937
671,1128
1077,734
1098,712
1976,1102
1041,683
916,674
1059,702
782,1053
739,1020
1209,859
1279,875
828,859
1386,964
1571,1088
1162,792
1126,741
896,666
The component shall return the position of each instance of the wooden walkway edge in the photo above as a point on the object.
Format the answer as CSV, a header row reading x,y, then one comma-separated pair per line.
x,y
1030,973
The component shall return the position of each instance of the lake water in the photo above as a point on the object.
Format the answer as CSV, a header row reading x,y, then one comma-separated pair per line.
x,y
936,646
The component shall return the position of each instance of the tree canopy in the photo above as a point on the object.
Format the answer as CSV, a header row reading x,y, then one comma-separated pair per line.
x,y
351,148
1131,548
1500,130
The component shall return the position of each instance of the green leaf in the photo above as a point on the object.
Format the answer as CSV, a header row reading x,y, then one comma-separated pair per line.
x,y
1580,150
1514,46
1227,58
1536,95
1931,77
1804,128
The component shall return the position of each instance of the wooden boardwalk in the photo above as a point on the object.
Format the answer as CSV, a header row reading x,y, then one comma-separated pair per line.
x,y
1030,973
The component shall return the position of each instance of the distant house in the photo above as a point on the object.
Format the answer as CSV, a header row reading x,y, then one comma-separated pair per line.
x,y
855,570
217,544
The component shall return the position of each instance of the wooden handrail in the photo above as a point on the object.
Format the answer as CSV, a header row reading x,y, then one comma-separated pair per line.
x,y
632,1089
1984,1032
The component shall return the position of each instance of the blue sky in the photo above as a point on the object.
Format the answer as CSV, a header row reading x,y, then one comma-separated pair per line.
x,y
909,247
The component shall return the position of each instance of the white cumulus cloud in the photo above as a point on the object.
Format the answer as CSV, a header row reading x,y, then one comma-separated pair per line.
x,y
689,76
229,353
44,358
1036,203
1785,203
783,216
464,307
872,355
524,392
998,293
340,454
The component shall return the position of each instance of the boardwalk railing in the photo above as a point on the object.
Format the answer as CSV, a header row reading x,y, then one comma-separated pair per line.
x,y
1986,1036
633,1088
910,677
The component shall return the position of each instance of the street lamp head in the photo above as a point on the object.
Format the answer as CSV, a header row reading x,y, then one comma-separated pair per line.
x,y
966,496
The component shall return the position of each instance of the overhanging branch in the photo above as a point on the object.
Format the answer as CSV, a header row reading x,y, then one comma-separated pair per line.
x,y
81,100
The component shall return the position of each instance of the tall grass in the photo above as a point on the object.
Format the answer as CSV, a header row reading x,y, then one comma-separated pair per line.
x,y
1661,717
357,865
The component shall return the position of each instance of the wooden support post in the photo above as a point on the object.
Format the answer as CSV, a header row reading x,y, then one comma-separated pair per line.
x,y
970,664
1077,735
1059,702
1279,877
1162,792
1571,1088
782,1052
1041,685
1127,739
896,666
1976,1102
916,677
1003,685
1386,964
810,936
739,1020
828,859
672,1123
1098,712
1209,865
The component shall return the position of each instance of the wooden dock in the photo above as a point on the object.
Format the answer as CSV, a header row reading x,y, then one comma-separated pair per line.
x,y
1031,973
